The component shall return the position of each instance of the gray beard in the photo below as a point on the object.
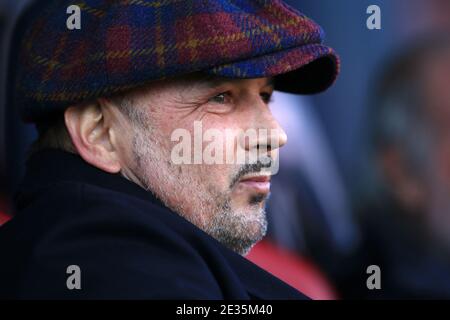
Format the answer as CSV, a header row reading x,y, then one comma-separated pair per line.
x,y
233,228
236,229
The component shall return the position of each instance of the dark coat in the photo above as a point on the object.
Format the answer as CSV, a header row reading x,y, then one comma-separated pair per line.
x,y
127,244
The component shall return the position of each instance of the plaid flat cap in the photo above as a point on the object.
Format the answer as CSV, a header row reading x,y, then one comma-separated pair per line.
x,y
123,44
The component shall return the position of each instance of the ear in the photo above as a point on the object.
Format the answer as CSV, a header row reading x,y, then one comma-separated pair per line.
x,y
91,136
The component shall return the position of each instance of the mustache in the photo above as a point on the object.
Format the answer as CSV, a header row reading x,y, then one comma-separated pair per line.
x,y
262,162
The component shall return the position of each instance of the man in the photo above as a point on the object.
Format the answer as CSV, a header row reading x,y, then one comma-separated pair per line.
x,y
406,223
117,201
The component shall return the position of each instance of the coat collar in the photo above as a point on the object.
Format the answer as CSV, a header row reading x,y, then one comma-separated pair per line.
x,y
47,167
50,166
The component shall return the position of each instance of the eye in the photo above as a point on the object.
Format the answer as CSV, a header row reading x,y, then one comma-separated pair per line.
x,y
220,103
266,97
221,98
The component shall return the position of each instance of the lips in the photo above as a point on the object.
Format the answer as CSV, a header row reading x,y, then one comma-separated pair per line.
x,y
259,183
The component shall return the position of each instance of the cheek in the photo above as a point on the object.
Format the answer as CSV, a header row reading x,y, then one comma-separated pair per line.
x,y
211,147
124,143
214,176
221,136
229,135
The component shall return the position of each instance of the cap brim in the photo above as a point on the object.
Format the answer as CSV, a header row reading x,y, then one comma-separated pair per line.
x,y
303,70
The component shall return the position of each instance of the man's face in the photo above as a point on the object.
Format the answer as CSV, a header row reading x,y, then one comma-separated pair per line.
x,y
426,180
226,198
436,80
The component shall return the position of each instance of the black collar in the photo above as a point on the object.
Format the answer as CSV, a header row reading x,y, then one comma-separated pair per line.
x,y
50,166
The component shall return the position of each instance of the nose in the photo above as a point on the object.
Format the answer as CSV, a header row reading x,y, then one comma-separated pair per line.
x,y
269,133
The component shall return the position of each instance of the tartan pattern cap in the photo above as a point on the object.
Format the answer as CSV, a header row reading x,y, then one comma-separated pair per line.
x,y
123,44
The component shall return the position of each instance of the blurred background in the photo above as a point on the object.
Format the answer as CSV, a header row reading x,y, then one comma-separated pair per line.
x,y
365,177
